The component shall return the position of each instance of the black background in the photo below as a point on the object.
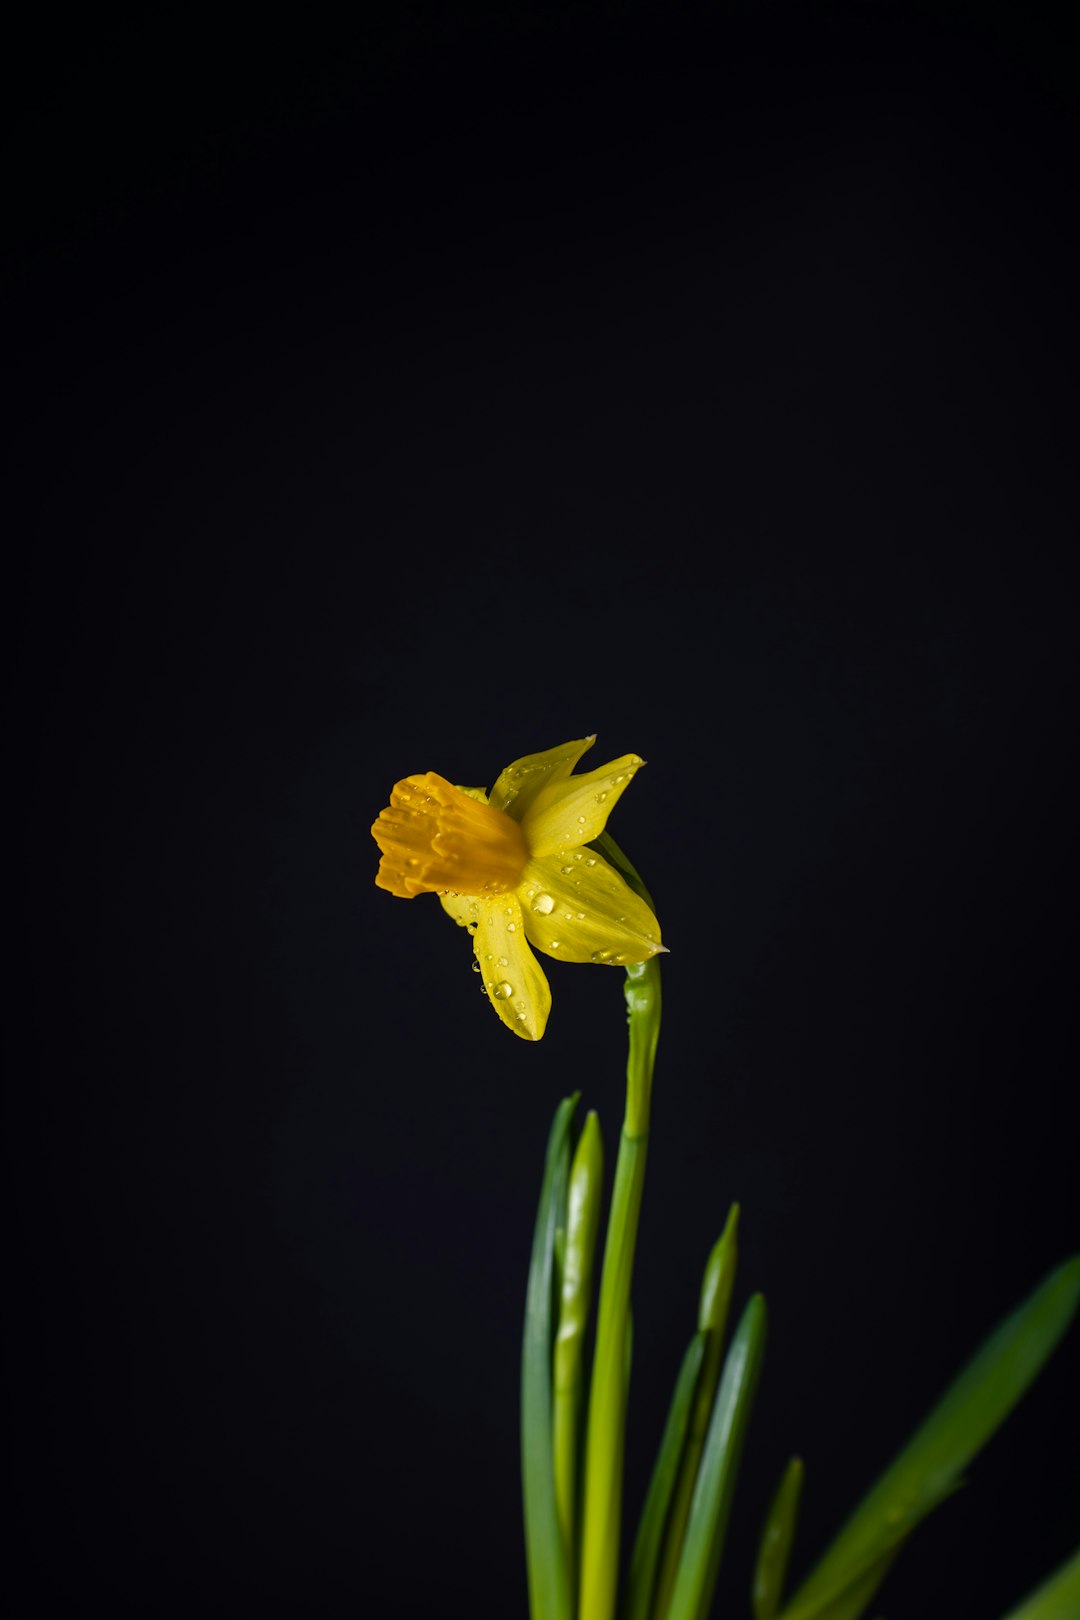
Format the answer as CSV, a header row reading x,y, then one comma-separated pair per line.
x,y
415,392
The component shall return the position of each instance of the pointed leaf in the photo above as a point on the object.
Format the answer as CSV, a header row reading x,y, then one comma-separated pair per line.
x,y
928,1468
714,1301
777,1537
710,1509
642,1575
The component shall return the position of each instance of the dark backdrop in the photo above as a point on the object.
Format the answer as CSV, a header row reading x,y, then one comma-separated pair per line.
x,y
415,392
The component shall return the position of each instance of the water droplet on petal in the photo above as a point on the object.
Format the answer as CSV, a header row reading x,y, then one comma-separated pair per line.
x,y
502,991
544,904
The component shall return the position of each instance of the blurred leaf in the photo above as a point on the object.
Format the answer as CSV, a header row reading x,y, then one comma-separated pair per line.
x,y
774,1551
1056,1599
928,1468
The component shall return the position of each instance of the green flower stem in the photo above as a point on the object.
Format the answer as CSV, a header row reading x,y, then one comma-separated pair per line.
x,y
606,1425
582,1223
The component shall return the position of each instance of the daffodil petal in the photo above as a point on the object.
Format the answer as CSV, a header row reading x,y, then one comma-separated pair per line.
x,y
520,783
577,908
565,815
513,978
464,908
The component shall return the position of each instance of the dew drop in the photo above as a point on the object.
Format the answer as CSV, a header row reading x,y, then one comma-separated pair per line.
x,y
504,961
502,991
544,904
581,821
566,870
591,860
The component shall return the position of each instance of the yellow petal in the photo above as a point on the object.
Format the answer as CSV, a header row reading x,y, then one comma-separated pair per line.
x,y
513,978
519,784
576,907
565,815
464,908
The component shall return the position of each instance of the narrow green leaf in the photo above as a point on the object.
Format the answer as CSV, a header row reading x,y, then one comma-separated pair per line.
x,y
575,1280
545,1552
774,1550
848,1596
714,1303
1058,1598
928,1468
641,1578
851,1597
710,1509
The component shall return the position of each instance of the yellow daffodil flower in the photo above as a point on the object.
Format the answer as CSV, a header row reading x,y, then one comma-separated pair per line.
x,y
515,869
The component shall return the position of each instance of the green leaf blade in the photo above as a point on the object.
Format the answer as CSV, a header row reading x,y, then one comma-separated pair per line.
x,y
928,1469
717,1285
545,1551
641,1578
777,1537
710,1509
1058,1598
